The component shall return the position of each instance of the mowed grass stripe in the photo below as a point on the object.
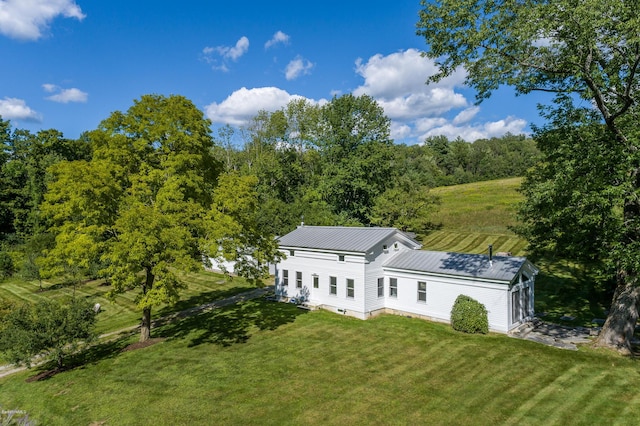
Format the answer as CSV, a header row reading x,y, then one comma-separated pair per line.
x,y
437,239
473,242
319,367
630,406
554,390
479,243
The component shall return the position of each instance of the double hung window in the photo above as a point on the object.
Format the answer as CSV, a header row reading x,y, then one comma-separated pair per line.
x,y
333,285
298,279
350,288
422,291
393,287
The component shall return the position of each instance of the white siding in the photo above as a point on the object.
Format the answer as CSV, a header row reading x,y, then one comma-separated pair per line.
x,y
365,269
230,266
374,271
527,304
442,293
324,265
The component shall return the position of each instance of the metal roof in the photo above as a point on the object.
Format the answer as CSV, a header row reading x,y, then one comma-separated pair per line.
x,y
340,238
502,268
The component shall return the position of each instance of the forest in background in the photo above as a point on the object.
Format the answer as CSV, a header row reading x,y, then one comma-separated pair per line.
x,y
325,165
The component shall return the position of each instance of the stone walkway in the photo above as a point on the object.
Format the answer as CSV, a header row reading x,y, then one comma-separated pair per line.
x,y
555,335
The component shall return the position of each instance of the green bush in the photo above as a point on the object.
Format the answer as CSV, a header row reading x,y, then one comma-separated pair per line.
x,y
7,268
469,316
49,328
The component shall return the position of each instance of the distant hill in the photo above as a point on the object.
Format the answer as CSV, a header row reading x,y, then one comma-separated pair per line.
x,y
474,215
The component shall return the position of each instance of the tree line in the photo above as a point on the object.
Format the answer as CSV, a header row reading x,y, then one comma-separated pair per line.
x,y
332,164
336,164
151,191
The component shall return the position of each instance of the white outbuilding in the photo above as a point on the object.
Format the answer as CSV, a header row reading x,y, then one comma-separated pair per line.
x,y
363,272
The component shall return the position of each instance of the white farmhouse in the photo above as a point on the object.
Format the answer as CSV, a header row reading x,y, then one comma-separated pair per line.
x,y
363,272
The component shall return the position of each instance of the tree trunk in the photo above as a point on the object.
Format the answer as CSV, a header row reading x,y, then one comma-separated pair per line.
x,y
619,327
145,326
617,331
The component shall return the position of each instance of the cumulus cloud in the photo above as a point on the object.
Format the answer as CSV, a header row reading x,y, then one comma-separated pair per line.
x,y
397,82
418,110
17,109
27,19
218,55
244,104
472,132
297,67
466,115
65,96
278,38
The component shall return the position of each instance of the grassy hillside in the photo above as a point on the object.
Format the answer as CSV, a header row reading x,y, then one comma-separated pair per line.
x,y
487,207
268,363
474,215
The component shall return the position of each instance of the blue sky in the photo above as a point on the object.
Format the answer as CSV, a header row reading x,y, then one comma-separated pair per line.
x,y
67,64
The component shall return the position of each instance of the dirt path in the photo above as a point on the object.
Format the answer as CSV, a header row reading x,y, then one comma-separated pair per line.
x,y
6,370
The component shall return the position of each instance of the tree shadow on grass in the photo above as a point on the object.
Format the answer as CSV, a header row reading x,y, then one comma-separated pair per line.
x,y
231,324
567,290
91,355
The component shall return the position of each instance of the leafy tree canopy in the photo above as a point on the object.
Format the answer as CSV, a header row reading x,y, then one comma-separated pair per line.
x,y
149,201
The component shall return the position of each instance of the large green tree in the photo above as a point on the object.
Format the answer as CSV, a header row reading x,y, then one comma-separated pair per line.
x,y
584,51
146,204
24,175
357,155
407,206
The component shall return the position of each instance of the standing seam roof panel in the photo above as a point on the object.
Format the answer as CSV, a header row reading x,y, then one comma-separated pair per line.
x,y
336,238
503,268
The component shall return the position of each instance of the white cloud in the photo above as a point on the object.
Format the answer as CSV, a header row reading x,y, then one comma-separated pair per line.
x,y
297,67
229,52
418,110
466,115
278,37
27,19
398,83
413,106
400,131
472,132
17,109
49,88
225,54
65,96
243,104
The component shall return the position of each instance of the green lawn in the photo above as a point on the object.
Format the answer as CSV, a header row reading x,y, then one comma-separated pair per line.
x,y
270,363
474,215
202,287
